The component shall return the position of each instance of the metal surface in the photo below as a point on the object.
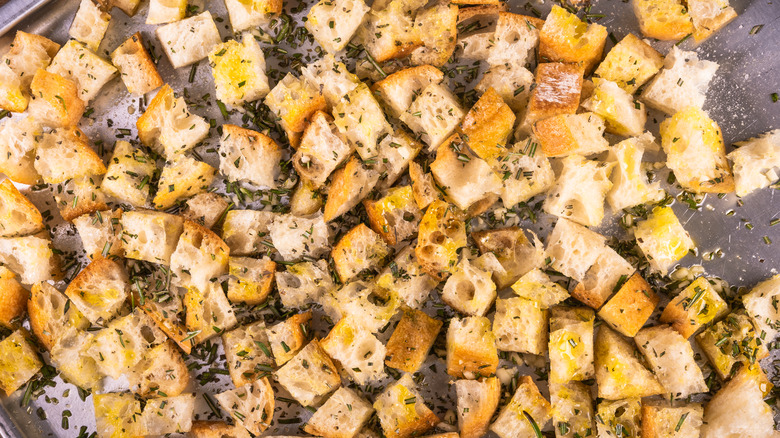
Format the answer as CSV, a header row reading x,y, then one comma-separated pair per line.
x,y
14,11
739,99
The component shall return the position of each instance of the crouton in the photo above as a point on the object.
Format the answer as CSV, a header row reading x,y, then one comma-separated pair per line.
x,y
358,250
758,304
697,305
567,134
619,373
630,63
322,18
488,126
55,100
536,286
527,412
396,151
247,352
86,69
27,53
476,403
161,11
168,415
471,348
65,154
239,71
217,429
18,362
738,409
671,358
361,121
520,325
297,237
331,77
411,340
402,411
557,91
136,67
465,177
342,416
574,249
294,101
476,30
129,174
17,150
565,38
89,25
207,209
423,187
405,277
619,418
80,196
579,192
364,303
251,279
524,173
395,216
252,405
661,419
13,297
358,351
349,185
247,155
398,90
437,27
19,216
288,337
512,82
180,179
389,31
99,290
630,186
469,289
306,200
165,306
51,318
732,340
188,41
662,239
756,162
162,371
682,83
572,410
150,236
322,148
709,16
515,39
101,233
117,414
69,355
665,20
303,283
30,257
622,114
168,127
246,15
200,257
631,306
433,115
571,344
310,375
246,231
209,312
442,233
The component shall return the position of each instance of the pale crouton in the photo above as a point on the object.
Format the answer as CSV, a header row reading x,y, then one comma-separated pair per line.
x,y
246,231
398,90
161,371
117,414
199,258
433,115
520,325
239,71
65,154
471,348
247,155
322,148
51,317
488,126
524,173
247,352
662,239
150,236
168,415
437,27
619,373
630,63
288,337
402,411
207,209
476,30
631,306
476,403
709,16
18,216
310,375
579,192
166,11
331,77
209,312
332,23
527,412
349,185
101,233
665,20
389,31
671,358
55,100
13,298
571,344
557,91
89,25
469,289
168,127
86,69
568,134
396,151
565,38
623,115
180,179
758,304
358,250
395,216
100,290
405,277
630,184
342,416
536,286
465,177
188,41
298,237
738,410
251,279
697,305
732,340
620,418
18,362
69,355
364,304
294,101
135,65
573,248
512,82
129,174
572,410
30,257
442,233
411,340
251,405
361,121
17,150
27,53
682,83
303,283
756,162
119,347
661,419
245,15
515,40
358,351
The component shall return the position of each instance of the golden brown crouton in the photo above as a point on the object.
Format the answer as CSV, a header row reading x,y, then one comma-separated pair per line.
x,y
18,216
13,299
629,309
488,125
135,65
442,233
557,91
564,38
697,305
411,340
55,100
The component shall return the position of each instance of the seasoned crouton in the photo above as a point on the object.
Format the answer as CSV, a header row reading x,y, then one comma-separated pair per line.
x,y
89,25
465,177
488,126
572,410
303,283
574,249
662,239
18,216
69,355
251,279
239,71
402,411
129,175
246,231
756,162
709,16
331,77
671,358
619,418
217,429
310,375
682,83
515,39
477,29
349,185
207,209
567,134
80,196
209,312
389,31
395,216
579,192
65,154
662,419
358,351
433,115
17,150
738,410
697,305
364,303
252,405
630,186
477,401
188,41
247,352
396,151
423,187
665,20
411,340
470,289
442,233
162,371
18,362
245,15
150,235
101,233
437,27
51,318
168,415
100,290
520,325
398,90
557,91
321,150
619,373
199,258
630,63
166,11
622,114
565,38
361,121
405,277
55,100
168,127
571,344
631,306
525,413
512,82
524,172
135,65
288,337
27,53
117,414
322,23
182,178
298,237
30,257
471,348
758,304
536,286
86,69
13,299
247,155
294,101
342,416
732,340
359,250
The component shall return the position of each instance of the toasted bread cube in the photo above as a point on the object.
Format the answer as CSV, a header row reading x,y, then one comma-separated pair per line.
x,y
65,154
207,209
433,115
477,401
665,20
567,134
395,216
168,415
466,178
571,344
580,190
55,100
294,101
251,279
100,290
188,41
239,71
80,196
471,348
358,351
619,418
423,187
288,337
359,250
166,11
520,325
310,375
758,304
217,429
671,358
180,179
30,257
18,362
19,216
515,39
129,174
619,373
150,236
513,420
17,150
200,257
622,114
437,27
247,155
524,173
248,14
709,16
756,162
557,91
162,371
512,82
661,419
135,65
402,411
244,231
697,305
306,200
389,31
630,63
27,54
442,233
321,150
252,405
477,28
738,409
398,90
168,315
349,185
536,286
342,416
331,77
630,186
13,298
298,237
662,239
396,151
51,318
364,304
732,340
69,355
322,22
469,289
303,283
565,38
209,312
90,24
682,83
488,126
118,415
574,249
168,127
361,121
247,351
86,69
572,410
405,277
630,308
411,340
101,233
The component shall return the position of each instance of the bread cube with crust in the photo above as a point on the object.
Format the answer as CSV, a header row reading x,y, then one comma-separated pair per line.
x,y
709,16
364,303
150,236
162,11
697,305
411,340
168,415
13,298
405,277
17,150
397,91
161,371
630,186
294,101
433,115
470,289
358,250
662,419
297,237
402,411
217,429
246,347
189,40
619,373
321,150
423,187
90,24
389,30
200,257
565,38
180,179
69,356
465,177
51,318
574,249
208,312
682,83
27,53
30,257
758,304
619,418
100,290
738,409
515,39
244,15
247,155
251,279
18,362
304,283
65,154
571,344
662,239
488,126
322,22
510,81
524,172
118,414
537,286
84,67
310,375
671,358
471,348
623,115
244,231
80,196
56,100
396,152
477,400
526,402
252,405
572,410
288,337
119,347
239,71
207,209
136,67
756,162
357,350
568,134
361,121
732,340
395,216
342,416
580,190
442,233
168,127
129,174
331,77
477,28
665,20
520,325
19,216
101,233
349,185
437,27
631,306
557,91
630,63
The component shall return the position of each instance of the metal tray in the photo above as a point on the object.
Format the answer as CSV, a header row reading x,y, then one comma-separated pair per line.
x,y
739,99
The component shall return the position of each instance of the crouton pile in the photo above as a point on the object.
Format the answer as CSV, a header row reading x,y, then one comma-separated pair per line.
x,y
360,234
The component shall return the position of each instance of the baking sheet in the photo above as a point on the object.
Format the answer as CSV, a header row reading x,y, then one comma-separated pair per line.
x,y
739,99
